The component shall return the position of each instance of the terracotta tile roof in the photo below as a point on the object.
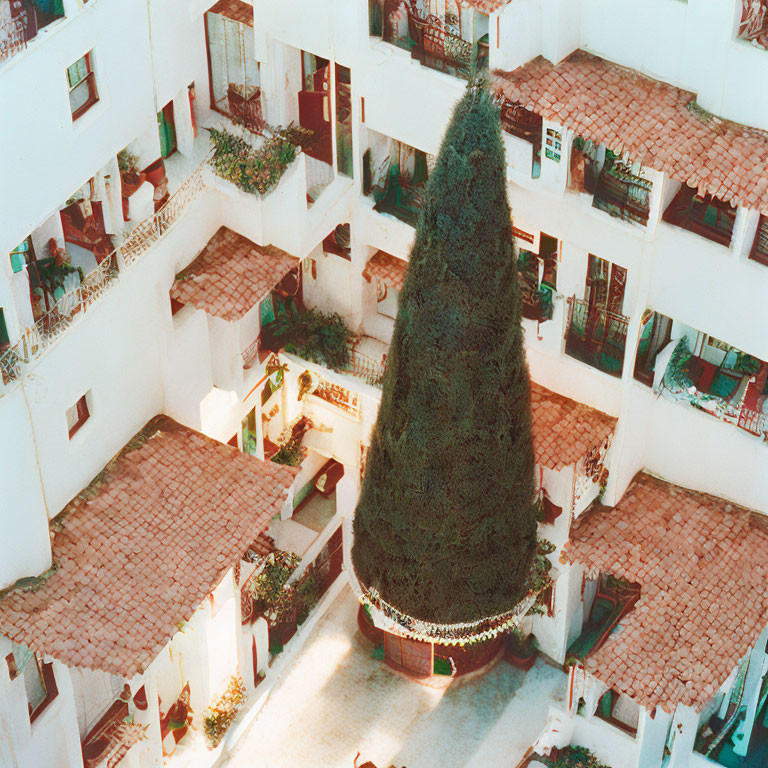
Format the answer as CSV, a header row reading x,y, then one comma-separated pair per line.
x,y
234,9
231,275
262,546
142,546
564,430
389,269
702,564
655,123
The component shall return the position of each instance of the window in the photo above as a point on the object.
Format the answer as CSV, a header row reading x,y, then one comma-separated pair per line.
x,y
597,331
655,334
759,250
82,86
553,144
537,275
705,215
77,415
233,71
39,680
620,710
22,254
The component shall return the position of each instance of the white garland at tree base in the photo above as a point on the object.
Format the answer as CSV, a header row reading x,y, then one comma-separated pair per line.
x,y
389,619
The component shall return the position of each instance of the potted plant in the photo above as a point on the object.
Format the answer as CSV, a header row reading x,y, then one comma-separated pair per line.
x,y
130,175
520,651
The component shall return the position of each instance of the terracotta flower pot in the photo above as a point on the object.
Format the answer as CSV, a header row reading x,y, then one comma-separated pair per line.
x,y
129,187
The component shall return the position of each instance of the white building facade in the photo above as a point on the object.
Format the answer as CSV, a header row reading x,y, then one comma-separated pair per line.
x,y
140,281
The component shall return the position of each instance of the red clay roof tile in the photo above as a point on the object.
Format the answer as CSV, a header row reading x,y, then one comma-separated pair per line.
x,y
701,562
231,275
564,430
132,565
654,122
387,268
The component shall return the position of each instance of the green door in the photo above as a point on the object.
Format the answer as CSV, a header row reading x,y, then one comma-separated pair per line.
x,y
167,130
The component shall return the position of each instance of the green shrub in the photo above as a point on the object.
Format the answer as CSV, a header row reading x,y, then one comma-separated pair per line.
x,y
315,336
255,170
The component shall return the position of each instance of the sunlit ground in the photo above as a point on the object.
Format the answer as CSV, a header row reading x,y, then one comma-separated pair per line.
x,y
337,701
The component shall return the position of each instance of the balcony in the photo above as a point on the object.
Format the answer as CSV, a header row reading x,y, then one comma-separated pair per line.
x,y
524,124
614,598
596,336
714,377
617,187
20,22
114,734
455,42
623,193
705,215
395,176
64,310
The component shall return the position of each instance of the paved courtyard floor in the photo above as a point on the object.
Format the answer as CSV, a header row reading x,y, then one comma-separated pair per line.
x,y
336,701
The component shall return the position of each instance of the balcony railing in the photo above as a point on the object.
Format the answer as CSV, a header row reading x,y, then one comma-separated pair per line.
x,y
596,336
432,40
13,35
365,367
108,741
144,235
623,194
73,305
20,23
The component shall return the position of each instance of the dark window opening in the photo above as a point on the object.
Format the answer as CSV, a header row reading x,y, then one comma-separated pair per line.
x,y
77,415
655,334
759,250
344,120
704,215
620,710
596,330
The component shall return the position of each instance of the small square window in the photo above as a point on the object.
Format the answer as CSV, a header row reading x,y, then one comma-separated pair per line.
x,y
81,79
553,144
77,415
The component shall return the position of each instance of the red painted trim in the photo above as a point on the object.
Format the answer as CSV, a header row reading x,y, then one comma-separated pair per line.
x,y
51,692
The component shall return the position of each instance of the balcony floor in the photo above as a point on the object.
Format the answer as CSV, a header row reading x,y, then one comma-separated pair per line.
x,y
298,533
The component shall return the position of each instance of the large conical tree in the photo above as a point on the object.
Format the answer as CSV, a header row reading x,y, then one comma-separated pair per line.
x,y
445,528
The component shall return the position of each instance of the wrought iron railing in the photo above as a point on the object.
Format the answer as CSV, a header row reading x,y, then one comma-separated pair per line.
x,y
596,336
13,33
149,231
366,368
433,40
73,305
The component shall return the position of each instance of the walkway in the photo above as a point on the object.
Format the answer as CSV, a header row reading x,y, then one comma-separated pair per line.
x,y
336,701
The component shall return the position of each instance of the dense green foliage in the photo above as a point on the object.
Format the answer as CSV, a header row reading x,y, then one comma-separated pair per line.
x,y
314,336
574,757
445,528
255,170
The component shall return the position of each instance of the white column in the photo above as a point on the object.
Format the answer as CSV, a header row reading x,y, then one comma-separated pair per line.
x,y
685,723
653,737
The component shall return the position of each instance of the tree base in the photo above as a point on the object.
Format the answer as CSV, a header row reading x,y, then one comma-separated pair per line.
x,y
424,661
